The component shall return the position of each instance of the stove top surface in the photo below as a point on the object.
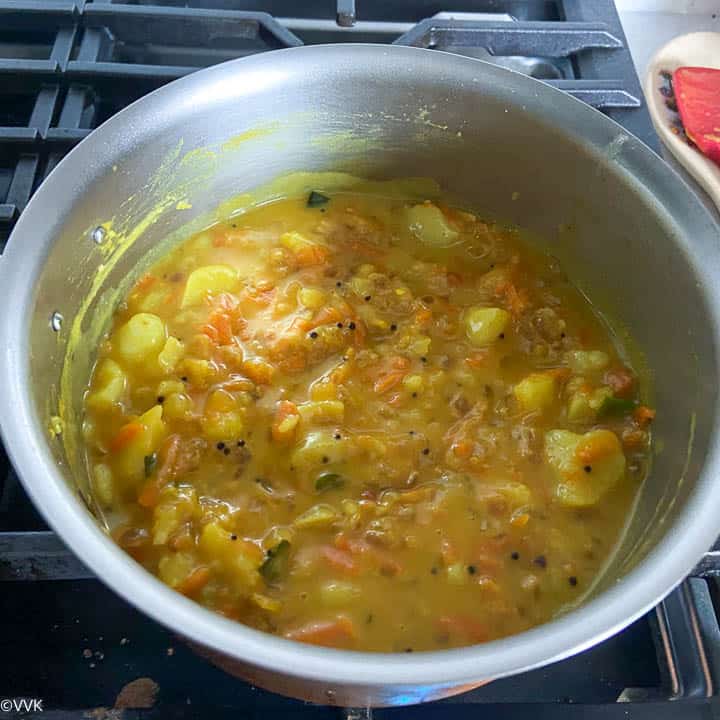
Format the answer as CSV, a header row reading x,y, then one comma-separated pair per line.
x,y
67,65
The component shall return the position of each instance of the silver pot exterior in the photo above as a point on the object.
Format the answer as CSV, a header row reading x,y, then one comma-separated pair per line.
x,y
628,229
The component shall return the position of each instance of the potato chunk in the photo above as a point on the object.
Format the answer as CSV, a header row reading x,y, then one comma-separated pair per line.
x,y
110,384
102,485
428,223
321,515
318,446
223,419
585,466
171,354
587,361
209,280
322,411
485,325
312,298
130,463
140,339
240,560
584,404
536,392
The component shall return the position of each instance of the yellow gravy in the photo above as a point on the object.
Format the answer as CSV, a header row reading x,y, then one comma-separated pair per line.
x,y
366,422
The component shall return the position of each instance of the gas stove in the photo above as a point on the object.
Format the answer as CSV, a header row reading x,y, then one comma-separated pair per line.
x,y
69,642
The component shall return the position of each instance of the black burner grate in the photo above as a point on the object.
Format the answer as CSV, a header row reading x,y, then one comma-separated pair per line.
x,y
66,66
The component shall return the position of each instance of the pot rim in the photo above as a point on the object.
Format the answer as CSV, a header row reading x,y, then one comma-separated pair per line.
x,y
663,568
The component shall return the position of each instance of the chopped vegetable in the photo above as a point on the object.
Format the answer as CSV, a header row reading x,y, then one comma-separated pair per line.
x,y
316,199
587,361
150,464
109,386
329,481
286,421
536,392
586,466
316,516
126,435
644,415
485,325
617,406
276,563
141,338
331,633
194,582
209,280
339,559
430,226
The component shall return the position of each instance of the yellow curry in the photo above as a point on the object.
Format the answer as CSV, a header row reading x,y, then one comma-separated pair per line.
x,y
366,422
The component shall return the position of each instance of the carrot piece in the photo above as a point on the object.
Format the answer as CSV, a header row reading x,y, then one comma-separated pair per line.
x,y
126,435
259,371
602,445
260,297
342,541
462,448
516,300
219,328
400,363
339,559
330,633
195,581
300,326
387,564
634,439
360,333
149,494
478,359
241,328
388,381
225,301
644,415
144,283
286,421
520,520
423,317
465,626
211,332
325,316
311,255
395,399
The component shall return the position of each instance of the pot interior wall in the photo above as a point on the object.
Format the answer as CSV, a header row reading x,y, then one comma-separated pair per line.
x,y
510,155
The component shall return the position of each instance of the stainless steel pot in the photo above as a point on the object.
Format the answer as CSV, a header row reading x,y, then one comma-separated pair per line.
x,y
644,248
